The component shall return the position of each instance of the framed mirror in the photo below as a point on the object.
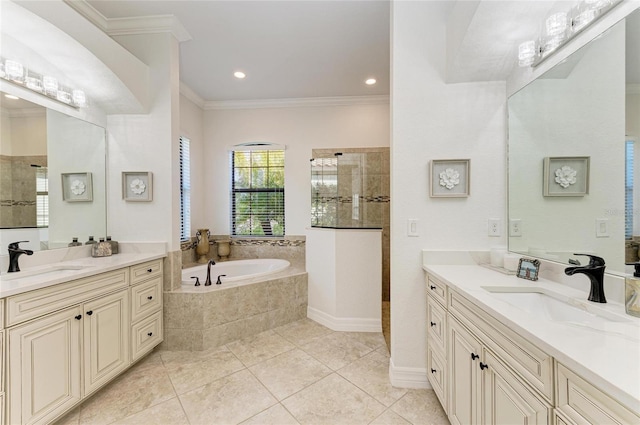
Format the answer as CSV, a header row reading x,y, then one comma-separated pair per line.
x,y
573,134
38,146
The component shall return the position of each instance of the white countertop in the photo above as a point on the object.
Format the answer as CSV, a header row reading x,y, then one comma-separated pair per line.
x,y
606,354
33,278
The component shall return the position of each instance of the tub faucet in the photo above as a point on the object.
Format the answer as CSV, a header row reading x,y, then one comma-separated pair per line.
x,y
595,272
207,282
14,253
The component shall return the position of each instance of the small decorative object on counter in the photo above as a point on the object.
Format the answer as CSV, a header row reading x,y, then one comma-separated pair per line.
x,y
202,245
528,268
75,242
224,249
90,241
101,249
632,293
114,245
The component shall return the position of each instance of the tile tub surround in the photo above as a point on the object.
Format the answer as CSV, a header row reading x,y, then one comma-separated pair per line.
x,y
206,317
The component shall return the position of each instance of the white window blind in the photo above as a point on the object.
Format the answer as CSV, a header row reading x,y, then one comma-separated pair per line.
x,y
257,193
628,189
185,190
42,197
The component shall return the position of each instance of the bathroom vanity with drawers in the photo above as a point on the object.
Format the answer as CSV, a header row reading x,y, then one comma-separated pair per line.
x,y
65,334
492,362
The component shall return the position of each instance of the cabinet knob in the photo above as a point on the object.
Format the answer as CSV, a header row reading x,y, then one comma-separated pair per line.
x,y
432,287
149,297
483,366
89,313
474,356
433,371
150,334
149,270
79,316
433,324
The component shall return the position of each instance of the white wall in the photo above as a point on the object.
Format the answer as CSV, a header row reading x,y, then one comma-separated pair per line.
x,y
433,120
191,126
28,135
301,129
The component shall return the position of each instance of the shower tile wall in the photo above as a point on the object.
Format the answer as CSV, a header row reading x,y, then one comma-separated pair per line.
x,y
18,190
375,198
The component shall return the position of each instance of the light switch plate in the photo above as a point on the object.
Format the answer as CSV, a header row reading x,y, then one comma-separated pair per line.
x,y
412,227
602,227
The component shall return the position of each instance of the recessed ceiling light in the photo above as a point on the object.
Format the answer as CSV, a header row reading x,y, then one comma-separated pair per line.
x,y
239,74
370,81
10,96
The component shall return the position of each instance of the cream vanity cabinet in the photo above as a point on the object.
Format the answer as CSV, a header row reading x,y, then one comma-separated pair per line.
x,y
146,308
2,395
66,341
478,385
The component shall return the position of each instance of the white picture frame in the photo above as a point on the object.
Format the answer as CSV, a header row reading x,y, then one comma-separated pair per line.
x,y
137,186
449,178
77,187
566,176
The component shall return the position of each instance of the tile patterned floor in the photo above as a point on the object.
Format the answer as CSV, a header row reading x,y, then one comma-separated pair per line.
x,y
300,373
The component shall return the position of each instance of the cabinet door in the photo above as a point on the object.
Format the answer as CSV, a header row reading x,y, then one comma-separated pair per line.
x,y
506,400
106,339
464,373
44,367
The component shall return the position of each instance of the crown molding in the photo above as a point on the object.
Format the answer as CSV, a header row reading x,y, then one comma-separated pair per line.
x,y
131,26
633,88
187,92
297,102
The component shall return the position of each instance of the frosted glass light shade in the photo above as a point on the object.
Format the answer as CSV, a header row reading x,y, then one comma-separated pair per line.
x,y
583,19
557,24
50,85
63,96
34,83
14,70
527,53
78,97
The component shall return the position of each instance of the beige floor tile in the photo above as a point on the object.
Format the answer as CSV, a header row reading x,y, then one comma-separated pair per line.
x,y
166,413
192,369
336,349
276,415
421,407
71,418
289,372
371,374
333,400
389,418
146,384
260,347
302,331
228,400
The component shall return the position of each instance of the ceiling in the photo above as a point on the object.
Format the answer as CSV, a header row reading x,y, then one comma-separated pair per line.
x,y
288,49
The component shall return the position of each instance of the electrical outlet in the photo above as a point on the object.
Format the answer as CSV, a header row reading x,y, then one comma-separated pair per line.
x,y
515,227
495,227
412,227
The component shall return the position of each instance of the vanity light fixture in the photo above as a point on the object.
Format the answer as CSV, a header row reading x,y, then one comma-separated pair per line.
x,y
16,73
239,75
370,81
561,27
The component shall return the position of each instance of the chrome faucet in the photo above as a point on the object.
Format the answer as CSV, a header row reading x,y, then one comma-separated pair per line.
x,y
14,253
595,272
207,282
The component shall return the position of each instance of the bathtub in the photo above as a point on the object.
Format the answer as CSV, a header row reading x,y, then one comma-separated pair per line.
x,y
235,271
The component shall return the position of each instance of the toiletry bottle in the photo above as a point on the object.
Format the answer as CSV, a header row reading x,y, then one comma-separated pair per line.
x,y
114,245
90,241
75,242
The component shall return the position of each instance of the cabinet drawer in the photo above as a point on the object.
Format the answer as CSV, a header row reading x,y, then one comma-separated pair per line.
x,y
146,298
145,335
1,361
436,289
533,364
145,271
437,374
2,313
436,326
30,305
582,403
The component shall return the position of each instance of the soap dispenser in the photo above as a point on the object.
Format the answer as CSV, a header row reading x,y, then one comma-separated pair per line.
x,y
75,242
90,241
632,293
114,245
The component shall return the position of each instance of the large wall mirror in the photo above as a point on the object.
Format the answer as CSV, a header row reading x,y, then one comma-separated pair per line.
x,y
53,169
574,154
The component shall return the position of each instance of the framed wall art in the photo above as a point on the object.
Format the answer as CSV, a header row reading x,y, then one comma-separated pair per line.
x,y
566,176
449,178
77,187
137,186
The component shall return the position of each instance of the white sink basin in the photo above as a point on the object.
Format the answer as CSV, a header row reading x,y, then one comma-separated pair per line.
x,y
551,306
48,270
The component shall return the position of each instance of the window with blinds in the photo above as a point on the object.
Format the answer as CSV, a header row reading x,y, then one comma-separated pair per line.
x,y
185,190
628,189
42,197
257,193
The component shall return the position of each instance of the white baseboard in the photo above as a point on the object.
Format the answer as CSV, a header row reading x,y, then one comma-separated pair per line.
x,y
344,324
408,377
